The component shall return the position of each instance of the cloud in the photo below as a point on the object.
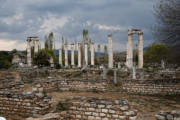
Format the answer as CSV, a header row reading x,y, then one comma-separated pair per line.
x,y
113,28
53,22
22,18
8,45
12,19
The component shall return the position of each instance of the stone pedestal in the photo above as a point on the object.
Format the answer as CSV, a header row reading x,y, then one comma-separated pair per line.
x,y
86,54
79,55
140,51
60,57
110,52
129,52
72,54
92,53
66,55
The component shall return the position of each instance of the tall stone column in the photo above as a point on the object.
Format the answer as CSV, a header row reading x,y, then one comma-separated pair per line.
x,y
129,52
60,57
66,55
110,52
86,54
36,45
140,51
92,53
29,60
72,54
79,54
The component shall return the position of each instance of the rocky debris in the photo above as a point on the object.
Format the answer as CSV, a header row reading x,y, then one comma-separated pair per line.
x,y
173,115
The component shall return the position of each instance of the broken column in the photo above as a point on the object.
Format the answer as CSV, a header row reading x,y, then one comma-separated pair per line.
x,y
140,50
72,54
110,52
66,54
29,60
92,53
79,54
129,51
60,57
86,54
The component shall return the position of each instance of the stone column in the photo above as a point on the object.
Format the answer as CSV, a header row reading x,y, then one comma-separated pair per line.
x,y
110,52
129,52
36,45
29,60
60,57
66,55
92,53
86,54
79,54
140,51
72,54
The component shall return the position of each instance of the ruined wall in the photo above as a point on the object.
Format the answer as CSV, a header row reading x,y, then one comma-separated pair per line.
x,y
164,86
22,104
98,109
72,84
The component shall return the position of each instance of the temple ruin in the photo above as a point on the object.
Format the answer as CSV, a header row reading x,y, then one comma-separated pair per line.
x,y
129,48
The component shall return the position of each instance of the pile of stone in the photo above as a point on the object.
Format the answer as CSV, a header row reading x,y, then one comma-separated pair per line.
x,y
173,115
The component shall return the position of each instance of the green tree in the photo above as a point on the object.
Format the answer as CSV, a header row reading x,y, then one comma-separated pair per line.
x,y
42,58
155,53
49,41
5,59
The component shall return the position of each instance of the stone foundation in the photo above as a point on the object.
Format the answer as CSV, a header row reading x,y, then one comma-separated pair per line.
x,y
83,108
70,84
23,104
164,87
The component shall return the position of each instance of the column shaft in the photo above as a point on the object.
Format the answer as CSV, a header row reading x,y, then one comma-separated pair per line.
x,y
140,51
110,52
79,55
66,55
72,54
92,53
60,57
129,52
86,54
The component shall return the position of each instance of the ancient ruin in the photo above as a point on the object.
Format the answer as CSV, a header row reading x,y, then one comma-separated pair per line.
x,y
44,93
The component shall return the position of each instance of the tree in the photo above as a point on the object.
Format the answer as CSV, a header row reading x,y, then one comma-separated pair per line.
x,y
42,58
167,14
155,53
49,41
5,59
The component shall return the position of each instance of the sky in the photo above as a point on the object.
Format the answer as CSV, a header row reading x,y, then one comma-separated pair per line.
x,y
20,19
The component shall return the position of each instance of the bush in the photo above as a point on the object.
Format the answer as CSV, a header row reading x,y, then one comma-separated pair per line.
x,y
110,72
61,106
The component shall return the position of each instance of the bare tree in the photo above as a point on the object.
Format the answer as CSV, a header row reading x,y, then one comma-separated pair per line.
x,y
167,29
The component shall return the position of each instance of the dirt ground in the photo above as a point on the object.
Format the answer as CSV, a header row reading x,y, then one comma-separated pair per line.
x,y
147,106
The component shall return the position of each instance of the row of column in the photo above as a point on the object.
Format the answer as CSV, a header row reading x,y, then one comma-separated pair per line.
x,y
86,51
79,54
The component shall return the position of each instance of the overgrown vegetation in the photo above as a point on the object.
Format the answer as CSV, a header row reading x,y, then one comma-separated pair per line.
x,y
6,59
61,106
